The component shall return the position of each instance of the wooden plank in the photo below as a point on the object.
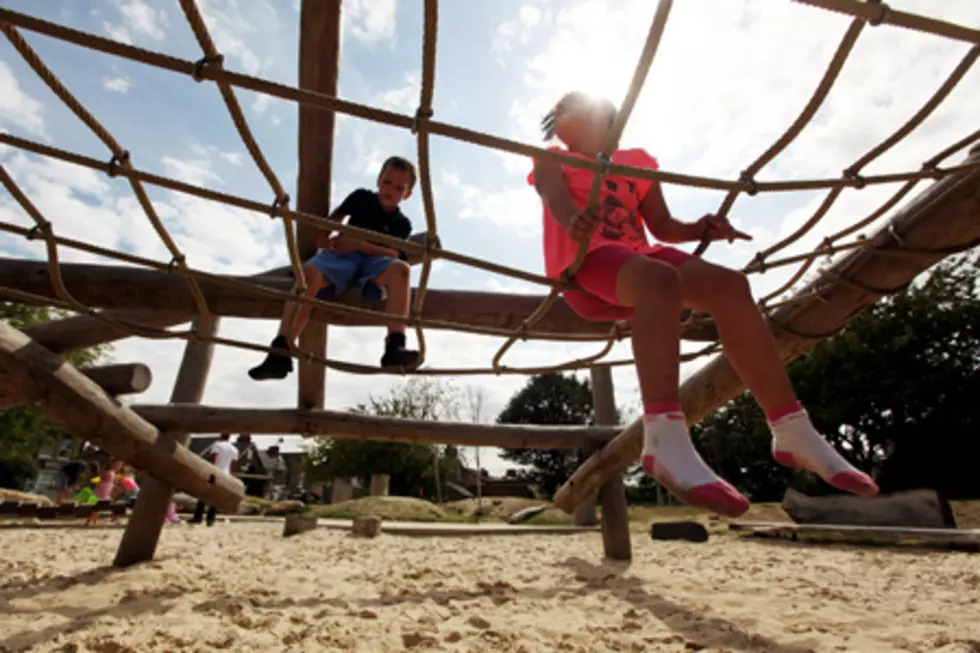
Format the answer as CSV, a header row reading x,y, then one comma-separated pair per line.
x,y
615,517
339,424
946,535
131,288
943,216
139,542
63,394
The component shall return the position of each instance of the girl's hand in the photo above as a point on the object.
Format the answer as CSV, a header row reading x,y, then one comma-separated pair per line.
x,y
716,227
582,224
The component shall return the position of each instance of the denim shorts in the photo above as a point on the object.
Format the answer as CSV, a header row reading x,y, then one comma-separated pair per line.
x,y
343,270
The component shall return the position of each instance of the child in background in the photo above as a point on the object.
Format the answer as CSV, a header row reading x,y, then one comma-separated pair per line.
x,y
650,284
104,486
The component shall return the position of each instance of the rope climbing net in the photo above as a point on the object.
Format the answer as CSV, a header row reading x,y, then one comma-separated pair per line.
x,y
209,67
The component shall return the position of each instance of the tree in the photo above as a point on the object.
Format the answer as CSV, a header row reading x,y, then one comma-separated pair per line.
x,y
410,465
894,391
24,433
549,399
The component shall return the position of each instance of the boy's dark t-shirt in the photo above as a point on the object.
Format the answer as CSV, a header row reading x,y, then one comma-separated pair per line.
x,y
366,212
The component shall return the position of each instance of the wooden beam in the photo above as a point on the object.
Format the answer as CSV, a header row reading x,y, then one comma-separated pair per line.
x,y
943,216
63,394
337,424
139,541
116,379
615,516
319,68
82,331
129,288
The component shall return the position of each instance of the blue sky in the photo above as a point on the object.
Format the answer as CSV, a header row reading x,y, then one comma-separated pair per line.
x,y
729,77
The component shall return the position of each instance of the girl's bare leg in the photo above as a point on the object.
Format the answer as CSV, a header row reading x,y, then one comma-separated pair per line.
x,y
751,349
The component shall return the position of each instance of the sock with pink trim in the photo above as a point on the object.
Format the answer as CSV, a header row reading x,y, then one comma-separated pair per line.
x,y
796,443
670,458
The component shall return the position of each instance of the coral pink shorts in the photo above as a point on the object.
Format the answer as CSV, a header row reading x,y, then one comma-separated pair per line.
x,y
598,275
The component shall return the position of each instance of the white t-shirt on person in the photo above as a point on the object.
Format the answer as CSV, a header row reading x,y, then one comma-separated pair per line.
x,y
226,453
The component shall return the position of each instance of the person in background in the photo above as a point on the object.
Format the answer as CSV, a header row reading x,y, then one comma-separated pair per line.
x,y
223,455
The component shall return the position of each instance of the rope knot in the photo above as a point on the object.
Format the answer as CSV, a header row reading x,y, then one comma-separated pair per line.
x,y
421,115
856,180
882,15
117,159
199,65
749,180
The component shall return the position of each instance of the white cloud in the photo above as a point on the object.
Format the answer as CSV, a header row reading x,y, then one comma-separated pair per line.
x,y
234,158
403,99
370,21
197,172
515,208
118,84
17,108
138,19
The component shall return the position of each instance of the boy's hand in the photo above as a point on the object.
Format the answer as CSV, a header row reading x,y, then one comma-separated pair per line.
x,y
719,228
582,224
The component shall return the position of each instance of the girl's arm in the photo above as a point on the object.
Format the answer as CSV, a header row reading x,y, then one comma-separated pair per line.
x,y
549,182
661,224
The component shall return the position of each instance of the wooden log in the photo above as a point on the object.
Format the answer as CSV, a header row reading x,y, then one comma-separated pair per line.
x,y
339,424
82,331
943,216
960,537
63,394
117,379
142,535
319,68
615,517
380,484
296,524
366,526
130,288
913,509
341,490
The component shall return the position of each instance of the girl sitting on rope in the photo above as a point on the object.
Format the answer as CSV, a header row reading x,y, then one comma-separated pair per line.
x,y
630,279
343,260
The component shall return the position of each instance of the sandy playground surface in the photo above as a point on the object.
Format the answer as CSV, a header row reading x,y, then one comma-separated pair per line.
x,y
242,587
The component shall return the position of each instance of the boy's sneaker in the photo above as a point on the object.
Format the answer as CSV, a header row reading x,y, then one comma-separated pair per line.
x,y
395,353
275,366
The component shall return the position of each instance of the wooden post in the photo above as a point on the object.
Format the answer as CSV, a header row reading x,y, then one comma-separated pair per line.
x,y
380,484
139,541
341,490
319,67
615,519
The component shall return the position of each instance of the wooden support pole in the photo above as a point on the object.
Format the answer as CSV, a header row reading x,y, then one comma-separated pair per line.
x,y
615,517
941,219
137,289
139,542
63,394
341,424
319,67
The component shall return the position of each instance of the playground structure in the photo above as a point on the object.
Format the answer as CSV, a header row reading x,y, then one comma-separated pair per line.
x,y
115,302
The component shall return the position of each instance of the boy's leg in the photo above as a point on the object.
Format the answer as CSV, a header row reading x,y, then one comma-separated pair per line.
x,y
752,351
396,277
295,316
212,515
198,513
653,289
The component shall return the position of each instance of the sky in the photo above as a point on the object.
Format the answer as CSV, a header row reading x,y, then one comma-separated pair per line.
x,y
728,78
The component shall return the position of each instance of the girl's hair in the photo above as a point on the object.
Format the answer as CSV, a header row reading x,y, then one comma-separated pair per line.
x,y
550,119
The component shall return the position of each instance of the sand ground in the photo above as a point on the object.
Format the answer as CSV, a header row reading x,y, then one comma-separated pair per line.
x,y
242,587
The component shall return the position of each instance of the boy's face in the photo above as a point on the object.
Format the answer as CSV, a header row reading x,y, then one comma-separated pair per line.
x,y
393,186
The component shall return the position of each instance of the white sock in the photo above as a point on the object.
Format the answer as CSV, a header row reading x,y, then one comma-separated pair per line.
x,y
666,438
795,434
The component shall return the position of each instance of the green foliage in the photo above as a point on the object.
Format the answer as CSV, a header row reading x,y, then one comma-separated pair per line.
x,y
549,399
411,466
23,432
894,391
